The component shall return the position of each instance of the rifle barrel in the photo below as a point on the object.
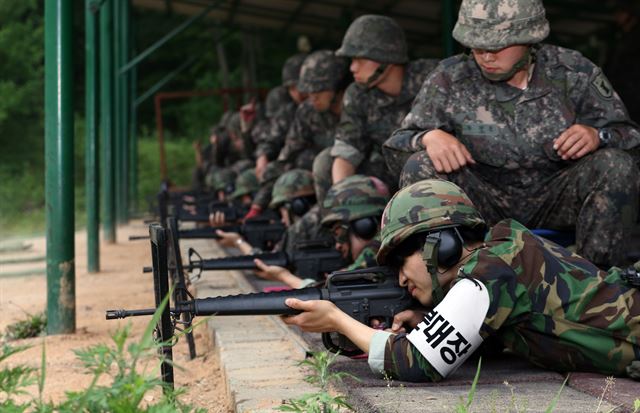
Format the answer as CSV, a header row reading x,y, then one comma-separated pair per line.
x,y
244,262
255,303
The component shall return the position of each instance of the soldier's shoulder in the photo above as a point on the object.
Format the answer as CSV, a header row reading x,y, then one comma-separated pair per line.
x,y
454,68
422,66
355,92
305,109
561,58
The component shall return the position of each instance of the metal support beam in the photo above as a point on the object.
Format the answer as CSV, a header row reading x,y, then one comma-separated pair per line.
x,y
162,82
133,137
61,291
120,56
173,33
448,19
92,171
107,164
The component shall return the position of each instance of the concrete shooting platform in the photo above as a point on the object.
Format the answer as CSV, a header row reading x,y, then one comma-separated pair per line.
x,y
259,356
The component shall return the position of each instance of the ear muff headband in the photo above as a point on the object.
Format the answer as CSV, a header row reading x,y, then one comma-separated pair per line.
x,y
365,228
441,248
300,206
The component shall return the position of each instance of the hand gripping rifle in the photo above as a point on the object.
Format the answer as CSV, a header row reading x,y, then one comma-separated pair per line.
x,y
363,294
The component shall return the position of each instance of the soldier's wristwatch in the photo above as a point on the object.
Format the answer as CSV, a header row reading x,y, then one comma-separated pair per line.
x,y
604,136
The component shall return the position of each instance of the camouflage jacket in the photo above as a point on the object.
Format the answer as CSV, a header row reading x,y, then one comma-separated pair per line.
x,y
307,228
272,140
546,304
310,130
508,131
367,257
369,116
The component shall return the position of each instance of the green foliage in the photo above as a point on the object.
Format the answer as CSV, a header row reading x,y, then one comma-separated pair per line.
x,y
33,326
125,364
636,405
462,406
321,375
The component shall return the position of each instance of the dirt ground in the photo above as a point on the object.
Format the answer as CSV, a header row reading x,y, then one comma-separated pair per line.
x,y
119,284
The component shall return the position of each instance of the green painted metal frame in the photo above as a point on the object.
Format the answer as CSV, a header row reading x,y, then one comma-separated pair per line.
x,y
448,20
107,146
92,167
61,294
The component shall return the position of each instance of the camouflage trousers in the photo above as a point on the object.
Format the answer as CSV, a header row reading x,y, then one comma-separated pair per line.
x,y
374,166
597,196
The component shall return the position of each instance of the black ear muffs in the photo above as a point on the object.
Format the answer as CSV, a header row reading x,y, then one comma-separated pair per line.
x,y
365,228
300,206
449,248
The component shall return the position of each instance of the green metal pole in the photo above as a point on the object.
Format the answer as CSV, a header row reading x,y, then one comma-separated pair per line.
x,y
61,294
92,173
447,27
107,164
133,138
124,81
117,114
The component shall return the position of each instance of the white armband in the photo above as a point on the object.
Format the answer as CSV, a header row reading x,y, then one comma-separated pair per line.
x,y
449,334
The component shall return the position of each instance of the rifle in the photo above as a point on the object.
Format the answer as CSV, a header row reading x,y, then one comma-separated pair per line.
x,y
259,232
313,259
362,294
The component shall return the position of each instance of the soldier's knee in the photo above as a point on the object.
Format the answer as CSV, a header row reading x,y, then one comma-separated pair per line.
x,y
417,168
615,166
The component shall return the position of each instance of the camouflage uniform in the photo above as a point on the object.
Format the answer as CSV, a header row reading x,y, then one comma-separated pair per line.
x,y
312,131
356,197
295,184
510,132
281,109
369,115
246,184
547,304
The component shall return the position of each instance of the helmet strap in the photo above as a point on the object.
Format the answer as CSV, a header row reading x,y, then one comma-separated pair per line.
x,y
376,74
523,62
430,257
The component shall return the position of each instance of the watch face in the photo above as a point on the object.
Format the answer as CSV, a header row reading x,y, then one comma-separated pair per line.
x,y
604,135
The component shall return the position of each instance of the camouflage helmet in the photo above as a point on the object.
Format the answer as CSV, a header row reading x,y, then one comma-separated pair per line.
x,y
375,37
424,206
291,69
322,70
354,197
221,180
246,184
292,184
496,24
275,99
233,124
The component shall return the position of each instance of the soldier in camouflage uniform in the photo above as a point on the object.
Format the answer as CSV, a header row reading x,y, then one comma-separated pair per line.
x,y
245,186
324,77
293,195
374,105
541,301
530,131
221,182
282,103
352,210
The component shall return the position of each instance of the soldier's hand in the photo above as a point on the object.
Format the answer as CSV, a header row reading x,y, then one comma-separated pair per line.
x,y
445,151
261,165
410,318
270,272
576,142
228,239
318,316
217,219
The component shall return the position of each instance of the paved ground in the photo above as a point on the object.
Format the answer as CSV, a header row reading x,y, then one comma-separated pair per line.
x,y
259,356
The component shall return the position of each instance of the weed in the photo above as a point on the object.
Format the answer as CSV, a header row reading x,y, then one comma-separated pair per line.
x,y
33,326
636,405
126,365
321,375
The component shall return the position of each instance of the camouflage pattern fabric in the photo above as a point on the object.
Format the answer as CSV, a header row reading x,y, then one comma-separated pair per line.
x,y
368,118
322,70
367,257
221,180
310,132
510,132
271,143
262,197
550,306
496,24
293,184
246,184
354,197
291,69
306,228
375,37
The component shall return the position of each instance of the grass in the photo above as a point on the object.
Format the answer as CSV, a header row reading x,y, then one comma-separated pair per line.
x,y
33,326
125,363
22,192
320,375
